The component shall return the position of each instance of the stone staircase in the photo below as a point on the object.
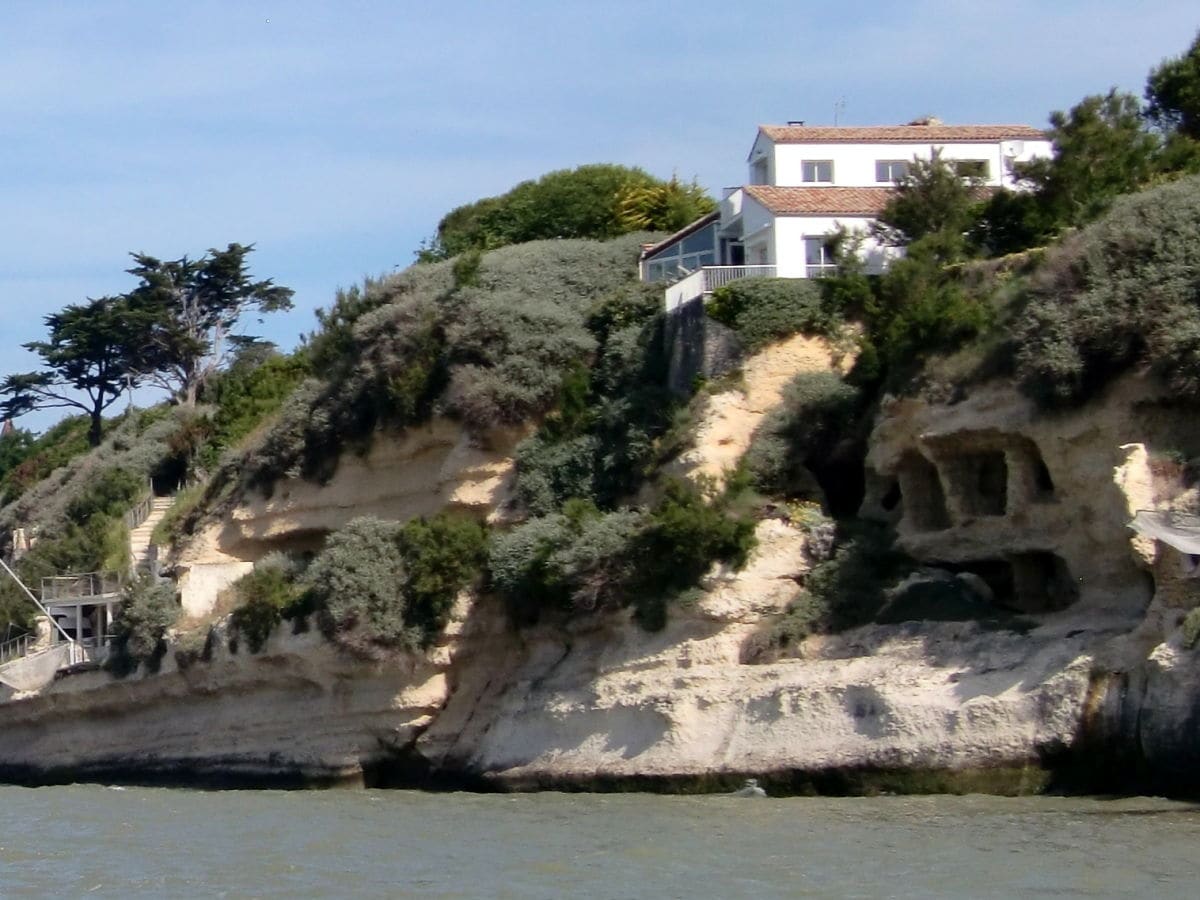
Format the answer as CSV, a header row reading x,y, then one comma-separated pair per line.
x,y
142,551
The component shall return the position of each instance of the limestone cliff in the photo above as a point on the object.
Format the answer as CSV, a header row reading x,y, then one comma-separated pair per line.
x,y
1031,508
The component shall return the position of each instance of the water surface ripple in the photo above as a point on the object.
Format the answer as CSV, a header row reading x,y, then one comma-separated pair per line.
x,y
158,842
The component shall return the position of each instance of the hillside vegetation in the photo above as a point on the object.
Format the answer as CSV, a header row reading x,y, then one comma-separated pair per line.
x,y
496,330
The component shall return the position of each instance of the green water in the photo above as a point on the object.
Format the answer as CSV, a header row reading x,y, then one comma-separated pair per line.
x,y
97,841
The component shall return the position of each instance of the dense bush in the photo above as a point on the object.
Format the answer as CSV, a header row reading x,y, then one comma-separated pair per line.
x,y
510,353
496,350
356,580
245,396
380,584
601,438
333,341
441,556
1123,292
62,443
584,559
683,538
111,493
148,609
265,596
763,309
518,564
593,201
817,412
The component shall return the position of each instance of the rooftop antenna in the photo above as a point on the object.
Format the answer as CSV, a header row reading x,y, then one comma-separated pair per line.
x,y
838,108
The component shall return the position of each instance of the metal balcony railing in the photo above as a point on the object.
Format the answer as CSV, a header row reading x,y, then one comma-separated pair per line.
x,y
80,587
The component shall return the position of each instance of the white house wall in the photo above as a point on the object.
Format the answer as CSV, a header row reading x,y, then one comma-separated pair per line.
x,y
789,233
756,232
854,164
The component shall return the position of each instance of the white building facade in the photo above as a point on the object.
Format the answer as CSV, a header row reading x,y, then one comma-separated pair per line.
x,y
808,183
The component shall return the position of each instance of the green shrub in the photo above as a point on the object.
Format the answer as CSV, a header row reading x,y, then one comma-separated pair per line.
x,y
818,411
148,609
592,201
602,436
682,539
599,562
511,354
518,565
442,555
62,443
356,581
264,597
1123,292
381,584
245,396
550,472
111,493
763,309
585,559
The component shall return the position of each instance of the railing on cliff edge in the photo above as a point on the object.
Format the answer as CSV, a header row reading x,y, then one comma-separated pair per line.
x,y
141,510
15,648
704,281
84,586
76,653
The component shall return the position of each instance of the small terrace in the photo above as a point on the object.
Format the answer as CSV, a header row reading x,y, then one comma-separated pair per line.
x,y
707,279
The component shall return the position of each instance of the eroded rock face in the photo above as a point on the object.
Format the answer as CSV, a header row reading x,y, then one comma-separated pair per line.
x,y
420,472
1038,506
1030,510
728,419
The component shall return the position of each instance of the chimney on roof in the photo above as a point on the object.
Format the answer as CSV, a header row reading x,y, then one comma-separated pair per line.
x,y
795,121
926,120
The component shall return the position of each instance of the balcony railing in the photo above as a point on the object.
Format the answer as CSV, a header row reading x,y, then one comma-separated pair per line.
x,y
719,276
16,648
80,587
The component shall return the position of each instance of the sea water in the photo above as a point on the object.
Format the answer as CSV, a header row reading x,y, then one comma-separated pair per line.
x,y
91,840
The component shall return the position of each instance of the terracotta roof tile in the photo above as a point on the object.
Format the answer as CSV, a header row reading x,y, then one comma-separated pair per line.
x,y
899,134
798,201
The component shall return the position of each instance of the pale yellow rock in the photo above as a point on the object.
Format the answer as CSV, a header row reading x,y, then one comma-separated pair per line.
x,y
728,419
419,472
597,696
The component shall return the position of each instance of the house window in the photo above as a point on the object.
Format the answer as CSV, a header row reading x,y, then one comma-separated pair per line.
x,y
817,171
890,170
971,168
819,256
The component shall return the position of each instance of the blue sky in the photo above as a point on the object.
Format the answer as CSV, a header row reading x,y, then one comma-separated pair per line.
x,y
335,135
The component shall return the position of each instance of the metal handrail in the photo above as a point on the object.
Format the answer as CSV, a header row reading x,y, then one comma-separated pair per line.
x,y
15,648
80,586
142,509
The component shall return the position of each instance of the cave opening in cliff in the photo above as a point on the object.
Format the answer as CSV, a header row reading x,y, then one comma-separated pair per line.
x,y
1042,582
843,484
169,475
1042,481
891,498
982,483
1029,582
921,491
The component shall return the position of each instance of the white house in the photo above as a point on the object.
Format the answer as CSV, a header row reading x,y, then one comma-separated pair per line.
x,y
807,182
